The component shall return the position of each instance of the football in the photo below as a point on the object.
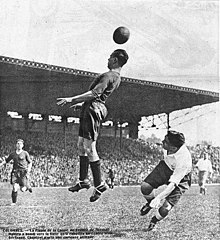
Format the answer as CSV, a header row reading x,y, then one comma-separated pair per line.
x,y
121,35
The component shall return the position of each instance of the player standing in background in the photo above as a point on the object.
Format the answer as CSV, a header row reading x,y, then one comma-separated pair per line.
x,y
204,167
21,169
174,171
93,112
110,178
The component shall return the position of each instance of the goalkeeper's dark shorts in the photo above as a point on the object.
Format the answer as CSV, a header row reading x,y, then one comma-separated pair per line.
x,y
91,116
161,175
20,177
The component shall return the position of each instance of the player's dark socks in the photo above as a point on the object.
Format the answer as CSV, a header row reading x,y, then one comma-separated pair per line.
x,y
146,208
84,167
152,224
200,191
14,196
96,172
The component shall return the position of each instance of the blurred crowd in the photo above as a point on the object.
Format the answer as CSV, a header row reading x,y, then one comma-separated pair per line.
x,y
55,158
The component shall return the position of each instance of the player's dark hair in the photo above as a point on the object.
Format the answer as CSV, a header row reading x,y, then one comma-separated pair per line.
x,y
20,140
121,55
177,139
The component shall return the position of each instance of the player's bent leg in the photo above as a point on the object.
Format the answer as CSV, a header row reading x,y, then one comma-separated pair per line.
x,y
148,192
23,189
163,210
26,188
160,214
29,188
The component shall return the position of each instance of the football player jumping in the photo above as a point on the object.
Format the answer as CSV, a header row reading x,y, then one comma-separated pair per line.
x,y
93,112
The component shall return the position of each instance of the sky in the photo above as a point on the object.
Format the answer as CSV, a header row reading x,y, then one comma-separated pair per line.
x,y
173,42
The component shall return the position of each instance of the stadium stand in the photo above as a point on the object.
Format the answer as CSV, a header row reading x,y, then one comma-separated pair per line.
x,y
56,163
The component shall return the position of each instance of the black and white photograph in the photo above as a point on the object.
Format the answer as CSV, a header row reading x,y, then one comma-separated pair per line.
x,y
109,119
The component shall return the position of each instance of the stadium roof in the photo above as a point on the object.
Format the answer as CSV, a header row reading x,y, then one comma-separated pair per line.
x,y
32,87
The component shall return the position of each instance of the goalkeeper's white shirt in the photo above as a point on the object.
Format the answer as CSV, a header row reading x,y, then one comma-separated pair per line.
x,y
180,163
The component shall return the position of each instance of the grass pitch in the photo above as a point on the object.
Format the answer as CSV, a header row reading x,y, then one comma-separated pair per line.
x,y
55,213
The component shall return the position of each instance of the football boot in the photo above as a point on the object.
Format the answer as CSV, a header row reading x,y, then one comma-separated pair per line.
x,y
97,192
145,209
80,185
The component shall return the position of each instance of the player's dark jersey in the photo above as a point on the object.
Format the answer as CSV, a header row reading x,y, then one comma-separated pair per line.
x,y
20,161
94,111
111,174
103,86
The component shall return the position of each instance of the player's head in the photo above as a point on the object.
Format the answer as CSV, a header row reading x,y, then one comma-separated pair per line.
x,y
117,59
20,143
173,139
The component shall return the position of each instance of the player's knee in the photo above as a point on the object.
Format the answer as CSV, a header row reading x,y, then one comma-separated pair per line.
x,y
146,188
80,148
15,187
92,155
164,209
88,150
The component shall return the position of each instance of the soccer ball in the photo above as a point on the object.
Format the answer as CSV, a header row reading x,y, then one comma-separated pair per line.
x,y
121,35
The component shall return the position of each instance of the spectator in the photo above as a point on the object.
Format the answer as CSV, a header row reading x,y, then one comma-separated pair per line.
x,y
131,163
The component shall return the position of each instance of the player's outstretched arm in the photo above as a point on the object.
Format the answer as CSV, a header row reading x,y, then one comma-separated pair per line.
x,y
63,101
76,99
155,203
